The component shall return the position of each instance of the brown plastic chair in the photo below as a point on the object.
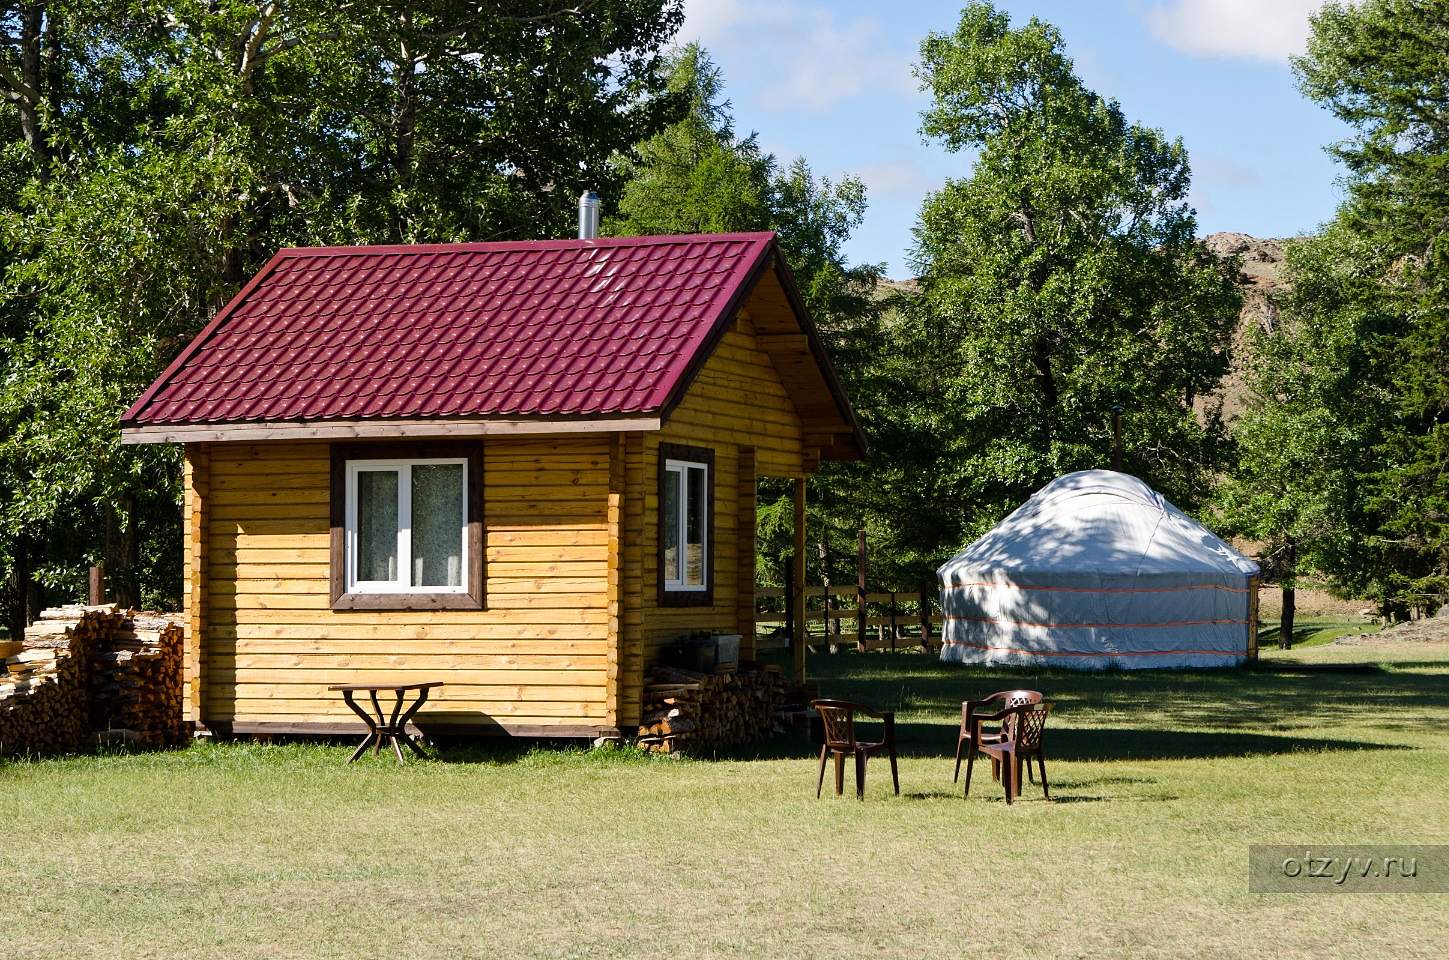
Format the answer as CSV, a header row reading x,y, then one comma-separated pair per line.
x,y
838,719
970,708
1022,728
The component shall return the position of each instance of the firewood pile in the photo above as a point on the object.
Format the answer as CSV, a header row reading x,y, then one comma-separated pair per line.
x,y
80,670
686,710
136,683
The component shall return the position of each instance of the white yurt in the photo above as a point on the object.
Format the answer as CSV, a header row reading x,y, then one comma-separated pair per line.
x,y
1097,571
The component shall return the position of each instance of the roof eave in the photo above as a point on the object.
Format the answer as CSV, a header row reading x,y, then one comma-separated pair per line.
x,y
363,429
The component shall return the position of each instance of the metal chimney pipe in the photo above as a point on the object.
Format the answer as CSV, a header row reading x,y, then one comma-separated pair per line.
x,y
588,215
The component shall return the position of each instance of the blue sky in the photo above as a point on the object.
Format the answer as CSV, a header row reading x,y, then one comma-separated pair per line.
x,y
831,80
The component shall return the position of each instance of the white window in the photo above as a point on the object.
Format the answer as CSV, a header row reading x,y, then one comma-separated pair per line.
x,y
684,525
407,526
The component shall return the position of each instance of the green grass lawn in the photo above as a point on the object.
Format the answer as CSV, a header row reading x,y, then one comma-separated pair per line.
x,y
1161,781
1314,631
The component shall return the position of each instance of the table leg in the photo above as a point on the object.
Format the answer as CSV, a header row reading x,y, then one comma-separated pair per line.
x,y
371,726
381,723
402,727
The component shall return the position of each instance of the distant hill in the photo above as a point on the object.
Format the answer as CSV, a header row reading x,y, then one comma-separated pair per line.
x,y
1260,277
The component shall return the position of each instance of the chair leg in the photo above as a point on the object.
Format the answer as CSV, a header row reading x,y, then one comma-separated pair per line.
x,y
839,774
820,783
996,769
1006,776
1041,764
970,762
957,775
895,773
860,759
1030,776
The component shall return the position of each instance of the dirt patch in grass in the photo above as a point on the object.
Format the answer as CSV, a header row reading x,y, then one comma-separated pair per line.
x,y
1434,630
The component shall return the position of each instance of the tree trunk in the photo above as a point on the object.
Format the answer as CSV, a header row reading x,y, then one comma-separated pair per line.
x,y
1290,573
31,26
18,591
122,552
1041,361
823,552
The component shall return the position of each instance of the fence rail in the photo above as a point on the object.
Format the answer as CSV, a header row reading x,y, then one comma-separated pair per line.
x,y
877,620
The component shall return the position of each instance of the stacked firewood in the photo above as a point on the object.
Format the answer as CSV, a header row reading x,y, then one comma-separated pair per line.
x,y
85,669
44,690
136,684
686,710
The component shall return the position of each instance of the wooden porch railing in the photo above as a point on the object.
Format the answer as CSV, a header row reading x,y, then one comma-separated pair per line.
x,y
876,620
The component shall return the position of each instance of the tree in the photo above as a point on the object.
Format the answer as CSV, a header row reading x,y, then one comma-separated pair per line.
x,y
1382,67
156,155
1313,414
1060,278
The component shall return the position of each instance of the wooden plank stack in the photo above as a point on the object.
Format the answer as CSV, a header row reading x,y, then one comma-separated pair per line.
x,y
685,710
81,669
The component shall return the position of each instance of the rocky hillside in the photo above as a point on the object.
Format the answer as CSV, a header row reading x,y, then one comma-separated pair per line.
x,y
1260,275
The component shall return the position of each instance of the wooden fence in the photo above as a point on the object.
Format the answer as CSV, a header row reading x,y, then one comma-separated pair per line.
x,y
875,619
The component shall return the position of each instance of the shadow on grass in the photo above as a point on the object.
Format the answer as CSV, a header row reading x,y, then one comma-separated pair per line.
x,y
1234,699
934,740
1134,715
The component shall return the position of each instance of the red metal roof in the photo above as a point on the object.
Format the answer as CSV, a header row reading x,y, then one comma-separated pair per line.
x,y
543,328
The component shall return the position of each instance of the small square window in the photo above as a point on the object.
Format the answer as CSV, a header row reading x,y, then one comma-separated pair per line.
x,y
407,534
407,530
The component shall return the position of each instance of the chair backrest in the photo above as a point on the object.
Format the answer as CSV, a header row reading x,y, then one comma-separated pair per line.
x,y
1015,698
1030,724
1010,699
838,719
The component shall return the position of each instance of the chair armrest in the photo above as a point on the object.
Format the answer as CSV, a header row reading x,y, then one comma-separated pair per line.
x,y
994,717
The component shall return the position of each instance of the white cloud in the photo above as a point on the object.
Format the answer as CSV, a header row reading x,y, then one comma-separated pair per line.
x,y
898,178
804,55
1267,30
708,20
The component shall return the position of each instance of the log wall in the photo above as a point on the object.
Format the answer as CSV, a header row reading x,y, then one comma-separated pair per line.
x,y
537,656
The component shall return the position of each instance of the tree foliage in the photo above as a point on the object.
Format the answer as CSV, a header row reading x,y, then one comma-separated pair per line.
x,y
1348,432
153,155
1060,278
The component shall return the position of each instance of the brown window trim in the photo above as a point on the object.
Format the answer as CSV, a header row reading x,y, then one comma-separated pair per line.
x,y
470,450
687,598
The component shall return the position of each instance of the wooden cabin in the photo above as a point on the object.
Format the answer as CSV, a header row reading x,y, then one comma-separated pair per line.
x,y
517,468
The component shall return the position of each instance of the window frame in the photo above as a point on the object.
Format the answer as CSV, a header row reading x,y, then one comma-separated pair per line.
x,y
346,593
680,595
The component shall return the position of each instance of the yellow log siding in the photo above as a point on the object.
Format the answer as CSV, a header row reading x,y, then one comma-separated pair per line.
x,y
736,402
539,654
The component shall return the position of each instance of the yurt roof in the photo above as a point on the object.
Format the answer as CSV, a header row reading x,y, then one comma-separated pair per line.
x,y
1093,526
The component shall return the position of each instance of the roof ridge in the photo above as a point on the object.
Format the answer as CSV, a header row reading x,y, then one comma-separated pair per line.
x,y
488,246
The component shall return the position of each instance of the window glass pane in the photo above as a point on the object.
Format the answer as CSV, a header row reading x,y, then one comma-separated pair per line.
x,y
669,524
694,528
438,524
377,525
